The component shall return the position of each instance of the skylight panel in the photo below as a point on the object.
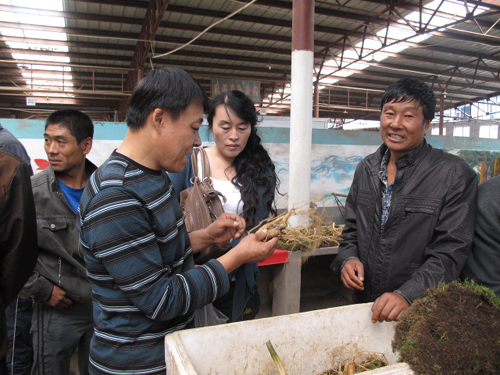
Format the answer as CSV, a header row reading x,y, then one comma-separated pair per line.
x,y
370,44
332,63
350,54
49,35
47,4
329,80
435,20
58,68
50,82
54,75
342,73
394,48
358,66
35,80
419,38
397,33
38,47
31,19
379,56
451,7
48,58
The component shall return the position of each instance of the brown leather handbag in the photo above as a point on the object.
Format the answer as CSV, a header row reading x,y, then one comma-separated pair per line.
x,y
201,206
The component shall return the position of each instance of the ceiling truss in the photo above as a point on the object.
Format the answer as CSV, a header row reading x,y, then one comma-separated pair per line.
x,y
112,44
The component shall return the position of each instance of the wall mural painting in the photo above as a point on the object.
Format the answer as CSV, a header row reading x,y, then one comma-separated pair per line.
x,y
334,155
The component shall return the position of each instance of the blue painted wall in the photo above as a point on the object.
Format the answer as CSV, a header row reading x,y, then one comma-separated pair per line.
x,y
335,153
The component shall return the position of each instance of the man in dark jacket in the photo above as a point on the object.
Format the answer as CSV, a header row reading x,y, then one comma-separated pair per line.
x,y
483,265
62,319
18,250
410,212
19,313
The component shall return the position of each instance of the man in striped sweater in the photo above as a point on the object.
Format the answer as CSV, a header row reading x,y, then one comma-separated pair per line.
x,y
138,254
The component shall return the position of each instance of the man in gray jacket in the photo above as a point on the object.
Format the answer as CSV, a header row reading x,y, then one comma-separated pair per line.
x,y
62,319
410,212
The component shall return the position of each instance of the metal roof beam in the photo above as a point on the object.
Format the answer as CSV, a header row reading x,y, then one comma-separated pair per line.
x,y
154,14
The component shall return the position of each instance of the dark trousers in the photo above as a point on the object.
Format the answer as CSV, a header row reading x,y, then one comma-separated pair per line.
x,y
19,357
3,367
57,335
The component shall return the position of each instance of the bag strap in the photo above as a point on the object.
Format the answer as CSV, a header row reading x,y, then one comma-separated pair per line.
x,y
194,163
205,171
205,164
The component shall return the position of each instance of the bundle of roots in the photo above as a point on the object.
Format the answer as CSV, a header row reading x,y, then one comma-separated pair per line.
x,y
349,359
319,231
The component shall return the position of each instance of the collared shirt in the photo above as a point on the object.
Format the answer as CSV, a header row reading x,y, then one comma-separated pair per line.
x,y
386,190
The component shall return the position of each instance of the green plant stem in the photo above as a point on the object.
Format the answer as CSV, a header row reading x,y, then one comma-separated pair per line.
x,y
276,358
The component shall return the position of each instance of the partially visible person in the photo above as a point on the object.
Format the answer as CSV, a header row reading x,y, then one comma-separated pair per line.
x,y
138,254
483,264
241,169
10,142
20,311
62,319
18,238
410,212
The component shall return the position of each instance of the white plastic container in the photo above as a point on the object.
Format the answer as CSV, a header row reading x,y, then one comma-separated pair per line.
x,y
304,342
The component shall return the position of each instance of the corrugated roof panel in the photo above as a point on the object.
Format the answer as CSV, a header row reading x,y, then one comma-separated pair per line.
x,y
106,34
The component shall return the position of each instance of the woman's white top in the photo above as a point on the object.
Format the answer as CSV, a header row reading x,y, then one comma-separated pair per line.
x,y
234,204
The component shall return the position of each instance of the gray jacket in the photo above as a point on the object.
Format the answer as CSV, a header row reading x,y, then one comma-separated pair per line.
x,y
60,257
429,232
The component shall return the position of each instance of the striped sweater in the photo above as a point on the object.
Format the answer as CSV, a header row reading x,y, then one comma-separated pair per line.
x,y
140,265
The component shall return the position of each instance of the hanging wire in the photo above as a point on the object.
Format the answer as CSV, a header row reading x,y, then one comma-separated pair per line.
x,y
340,205
152,54
204,31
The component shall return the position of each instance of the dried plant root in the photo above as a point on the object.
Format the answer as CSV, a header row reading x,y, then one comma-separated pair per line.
x,y
355,363
271,233
319,233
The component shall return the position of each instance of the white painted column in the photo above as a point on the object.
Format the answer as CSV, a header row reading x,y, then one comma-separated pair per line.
x,y
301,107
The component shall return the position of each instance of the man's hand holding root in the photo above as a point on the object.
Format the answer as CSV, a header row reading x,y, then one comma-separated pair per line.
x,y
252,249
226,226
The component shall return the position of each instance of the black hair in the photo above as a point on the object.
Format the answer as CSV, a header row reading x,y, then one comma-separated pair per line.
x,y
171,89
408,89
79,124
253,165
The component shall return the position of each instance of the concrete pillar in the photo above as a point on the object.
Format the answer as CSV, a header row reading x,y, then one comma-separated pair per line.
x,y
441,114
316,99
301,106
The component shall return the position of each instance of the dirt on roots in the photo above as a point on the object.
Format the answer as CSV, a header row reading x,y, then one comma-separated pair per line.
x,y
453,330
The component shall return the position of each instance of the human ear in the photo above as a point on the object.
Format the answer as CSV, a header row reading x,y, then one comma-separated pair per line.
x,y
427,124
158,119
87,143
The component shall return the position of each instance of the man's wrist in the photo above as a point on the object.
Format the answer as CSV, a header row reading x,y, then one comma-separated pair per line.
x,y
402,295
345,261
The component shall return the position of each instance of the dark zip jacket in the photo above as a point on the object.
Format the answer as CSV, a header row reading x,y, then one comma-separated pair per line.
x,y
429,232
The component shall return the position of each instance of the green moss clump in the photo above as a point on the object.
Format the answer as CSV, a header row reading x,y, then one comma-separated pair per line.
x,y
453,330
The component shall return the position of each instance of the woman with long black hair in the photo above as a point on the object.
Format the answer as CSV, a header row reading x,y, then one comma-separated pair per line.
x,y
241,169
